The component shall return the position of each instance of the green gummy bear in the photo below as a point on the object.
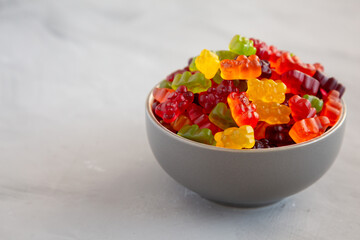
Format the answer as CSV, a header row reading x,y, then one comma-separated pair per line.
x,y
196,134
221,116
225,54
165,84
315,102
242,46
195,83
192,66
217,78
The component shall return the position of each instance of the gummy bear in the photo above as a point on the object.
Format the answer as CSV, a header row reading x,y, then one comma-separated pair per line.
x,y
318,67
242,46
195,83
287,98
279,134
241,68
161,94
266,90
265,69
265,52
217,78
301,108
329,84
165,84
213,96
262,143
192,65
221,116
196,134
309,128
300,83
225,54
332,107
207,63
260,129
315,102
236,138
272,112
199,118
288,62
176,104
242,111
180,121
172,75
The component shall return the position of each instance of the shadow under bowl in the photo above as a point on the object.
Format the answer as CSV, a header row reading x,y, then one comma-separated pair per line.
x,y
247,177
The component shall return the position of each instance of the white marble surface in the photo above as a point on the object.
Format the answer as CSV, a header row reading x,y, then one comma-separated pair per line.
x,y
75,162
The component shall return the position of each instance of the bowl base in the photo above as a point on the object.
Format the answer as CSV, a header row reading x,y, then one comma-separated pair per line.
x,y
245,205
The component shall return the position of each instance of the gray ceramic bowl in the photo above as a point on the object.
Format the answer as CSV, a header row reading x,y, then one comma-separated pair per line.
x,y
248,177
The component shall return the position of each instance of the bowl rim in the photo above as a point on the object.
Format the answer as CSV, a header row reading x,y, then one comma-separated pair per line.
x,y
150,99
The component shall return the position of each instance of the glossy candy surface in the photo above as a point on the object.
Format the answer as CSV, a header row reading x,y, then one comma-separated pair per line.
x,y
300,83
279,134
241,68
315,102
242,110
262,143
248,97
176,104
288,62
207,63
161,94
272,112
266,90
329,84
195,83
225,54
332,107
221,116
309,128
301,108
266,71
236,138
242,46
196,134
198,117
213,96
180,121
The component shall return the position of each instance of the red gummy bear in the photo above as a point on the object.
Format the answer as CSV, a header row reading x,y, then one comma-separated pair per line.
x,y
265,52
176,104
300,83
213,96
198,117
242,110
289,62
301,108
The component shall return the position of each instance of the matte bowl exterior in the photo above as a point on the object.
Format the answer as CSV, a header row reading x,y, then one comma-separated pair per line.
x,y
248,177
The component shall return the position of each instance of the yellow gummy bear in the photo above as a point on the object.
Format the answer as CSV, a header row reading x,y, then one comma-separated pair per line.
x,y
236,138
207,63
266,90
272,113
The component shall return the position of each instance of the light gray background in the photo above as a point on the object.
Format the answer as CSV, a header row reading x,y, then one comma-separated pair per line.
x,y
75,162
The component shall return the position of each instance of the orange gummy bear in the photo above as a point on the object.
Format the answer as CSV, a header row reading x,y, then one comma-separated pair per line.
x,y
332,107
181,121
241,68
161,94
308,128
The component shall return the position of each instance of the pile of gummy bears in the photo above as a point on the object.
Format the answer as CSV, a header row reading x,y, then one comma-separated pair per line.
x,y
250,96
